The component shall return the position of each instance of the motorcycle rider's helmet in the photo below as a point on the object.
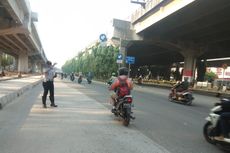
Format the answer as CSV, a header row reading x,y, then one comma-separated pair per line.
x,y
186,79
49,63
113,74
123,71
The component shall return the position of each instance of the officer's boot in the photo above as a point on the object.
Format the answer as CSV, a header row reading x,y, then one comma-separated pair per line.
x,y
52,102
44,101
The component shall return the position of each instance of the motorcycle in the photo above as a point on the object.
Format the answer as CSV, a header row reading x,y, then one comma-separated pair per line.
x,y
184,97
79,79
123,109
212,127
89,80
139,80
72,77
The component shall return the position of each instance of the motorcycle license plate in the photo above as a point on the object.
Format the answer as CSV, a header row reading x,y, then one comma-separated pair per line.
x,y
127,105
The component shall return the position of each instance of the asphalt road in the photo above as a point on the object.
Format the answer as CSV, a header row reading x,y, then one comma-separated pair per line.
x,y
79,124
176,127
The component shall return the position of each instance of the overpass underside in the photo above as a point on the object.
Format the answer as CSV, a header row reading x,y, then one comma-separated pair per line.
x,y
18,34
200,29
15,42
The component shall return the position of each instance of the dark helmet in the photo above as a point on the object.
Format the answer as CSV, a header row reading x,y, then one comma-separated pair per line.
x,y
48,62
185,78
123,71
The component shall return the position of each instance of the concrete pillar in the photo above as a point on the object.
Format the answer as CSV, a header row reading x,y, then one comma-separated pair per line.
x,y
39,67
1,59
189,66
191,51
23,63
201,69
33,68
16,63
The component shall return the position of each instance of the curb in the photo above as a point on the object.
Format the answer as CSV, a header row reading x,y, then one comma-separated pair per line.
x,y
15,94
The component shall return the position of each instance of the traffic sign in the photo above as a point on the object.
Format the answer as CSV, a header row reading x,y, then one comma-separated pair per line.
x,y
103,38
130,60
119,57
119,61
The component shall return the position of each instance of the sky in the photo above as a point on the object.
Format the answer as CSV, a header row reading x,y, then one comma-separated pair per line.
x,y
67,27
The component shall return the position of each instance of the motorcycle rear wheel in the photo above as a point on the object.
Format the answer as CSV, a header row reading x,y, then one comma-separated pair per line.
x,y
206,132
126,121
126,118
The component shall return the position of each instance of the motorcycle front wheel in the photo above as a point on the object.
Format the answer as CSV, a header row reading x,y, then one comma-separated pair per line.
x,y
207,130
170,97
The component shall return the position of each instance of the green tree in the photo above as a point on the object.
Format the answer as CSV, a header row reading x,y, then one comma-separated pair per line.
x,y
100,60
6,60
210,76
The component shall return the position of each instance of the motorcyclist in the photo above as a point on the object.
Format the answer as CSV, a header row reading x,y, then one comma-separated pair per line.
x,y
112,78
123,76
80,78
180,87
139,79
89,77
224,119
72,76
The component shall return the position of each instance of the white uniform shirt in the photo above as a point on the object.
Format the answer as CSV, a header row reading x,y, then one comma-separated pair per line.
x,y
49,74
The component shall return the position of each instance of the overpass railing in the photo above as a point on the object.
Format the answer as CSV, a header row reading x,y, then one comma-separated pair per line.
x,y
150,5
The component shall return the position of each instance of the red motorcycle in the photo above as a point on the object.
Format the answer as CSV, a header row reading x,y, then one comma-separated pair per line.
x,y
184,97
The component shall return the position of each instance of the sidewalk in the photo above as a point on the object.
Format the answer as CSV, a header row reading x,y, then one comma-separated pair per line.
x,y
12,87
78,125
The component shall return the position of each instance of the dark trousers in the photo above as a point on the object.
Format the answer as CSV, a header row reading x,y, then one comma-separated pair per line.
x,y
48,87
224,118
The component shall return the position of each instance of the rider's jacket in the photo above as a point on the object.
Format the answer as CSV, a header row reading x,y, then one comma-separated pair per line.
x,y
116,82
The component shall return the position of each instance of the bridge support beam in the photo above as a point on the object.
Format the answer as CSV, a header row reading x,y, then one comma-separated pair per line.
x,y
40,67
189,66
201,69
0,59
191,51
23,63
33,67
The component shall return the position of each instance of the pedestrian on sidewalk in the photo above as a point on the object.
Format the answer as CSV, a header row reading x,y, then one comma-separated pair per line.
x,y
48,85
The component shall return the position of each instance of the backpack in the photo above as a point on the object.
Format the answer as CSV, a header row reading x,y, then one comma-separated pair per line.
x,y
123,88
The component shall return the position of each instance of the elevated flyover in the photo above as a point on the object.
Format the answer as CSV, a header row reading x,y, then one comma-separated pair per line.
x,y
18,35
170,31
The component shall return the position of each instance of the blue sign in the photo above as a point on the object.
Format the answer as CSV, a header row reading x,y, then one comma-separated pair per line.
x,y
119,57
130,60
103,38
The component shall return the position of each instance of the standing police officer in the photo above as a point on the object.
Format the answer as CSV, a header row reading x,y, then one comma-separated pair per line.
x,y
48,85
